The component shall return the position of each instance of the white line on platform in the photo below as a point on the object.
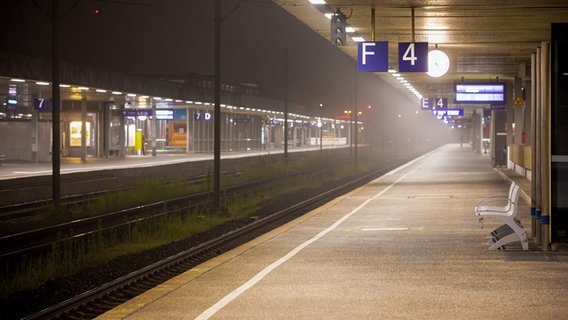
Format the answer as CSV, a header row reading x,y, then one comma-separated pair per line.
x,y
385,229
211,311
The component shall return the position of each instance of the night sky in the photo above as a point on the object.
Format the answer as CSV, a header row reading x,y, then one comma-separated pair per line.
x,y
176,37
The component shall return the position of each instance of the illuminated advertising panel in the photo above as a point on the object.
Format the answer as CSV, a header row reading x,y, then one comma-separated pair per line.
x,y
491,93
75,130
164,114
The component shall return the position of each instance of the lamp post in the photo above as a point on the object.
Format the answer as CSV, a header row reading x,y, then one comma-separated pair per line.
x,y
321,126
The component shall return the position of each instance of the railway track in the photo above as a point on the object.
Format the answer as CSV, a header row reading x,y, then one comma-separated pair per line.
x,y
74,234
43,240
31,208
103,298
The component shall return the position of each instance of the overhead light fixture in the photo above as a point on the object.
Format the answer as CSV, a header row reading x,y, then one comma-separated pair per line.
x,y
358,39
317,1
438,63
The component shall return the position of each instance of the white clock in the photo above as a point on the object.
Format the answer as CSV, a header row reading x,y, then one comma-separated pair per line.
x,y
438,63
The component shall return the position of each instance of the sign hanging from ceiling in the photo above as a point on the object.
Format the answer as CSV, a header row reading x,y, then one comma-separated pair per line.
x,y
373,56
413,56
491,93
434,103
442,113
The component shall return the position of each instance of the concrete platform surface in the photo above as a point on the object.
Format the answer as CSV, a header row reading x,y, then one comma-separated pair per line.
x,y
405,246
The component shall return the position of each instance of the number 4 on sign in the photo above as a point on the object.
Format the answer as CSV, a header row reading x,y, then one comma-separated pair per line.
x,y
409,55
413,56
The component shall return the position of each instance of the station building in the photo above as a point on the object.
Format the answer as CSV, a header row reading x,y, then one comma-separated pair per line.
x,y
128,115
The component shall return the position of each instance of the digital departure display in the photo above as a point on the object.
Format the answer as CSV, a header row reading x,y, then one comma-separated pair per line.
x,y
491,93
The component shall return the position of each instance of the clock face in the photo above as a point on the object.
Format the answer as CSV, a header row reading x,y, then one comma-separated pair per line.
x,y
438,63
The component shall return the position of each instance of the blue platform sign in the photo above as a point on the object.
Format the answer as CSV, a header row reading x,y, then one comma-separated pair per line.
x,y
442,113
413,57
441,103
42,104
137,113
427,104
373,56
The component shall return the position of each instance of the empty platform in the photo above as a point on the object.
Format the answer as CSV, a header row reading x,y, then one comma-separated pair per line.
x,y
405,246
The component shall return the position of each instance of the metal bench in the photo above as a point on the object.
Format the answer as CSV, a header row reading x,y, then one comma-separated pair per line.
x,y
505,210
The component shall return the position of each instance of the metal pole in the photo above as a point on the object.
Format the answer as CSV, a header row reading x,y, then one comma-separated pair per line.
x,y
154,127
533,143
84,128
217,111
285,104
413,27
373,24
321,126
55,105
355,133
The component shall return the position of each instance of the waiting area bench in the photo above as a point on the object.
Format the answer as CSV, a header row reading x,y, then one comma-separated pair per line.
x,y
503,209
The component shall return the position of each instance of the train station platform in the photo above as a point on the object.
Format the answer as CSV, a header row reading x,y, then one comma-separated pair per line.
x,y
405,246
14,170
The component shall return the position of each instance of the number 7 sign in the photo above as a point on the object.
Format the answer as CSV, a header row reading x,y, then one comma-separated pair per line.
x,y
413,56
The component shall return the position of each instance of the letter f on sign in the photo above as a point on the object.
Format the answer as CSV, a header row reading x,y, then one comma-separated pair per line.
x,y
366,53
373,56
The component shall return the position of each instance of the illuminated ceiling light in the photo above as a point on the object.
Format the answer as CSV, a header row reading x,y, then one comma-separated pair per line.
x,y
116,92
143,97
169,99
178,101
198,102
83,88
350,30
17,80
41,83
395,74
438,63
65,86
100,90
189,102
358,39
317,1
131,94
392,71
